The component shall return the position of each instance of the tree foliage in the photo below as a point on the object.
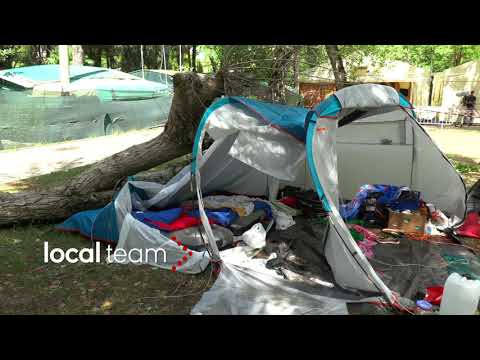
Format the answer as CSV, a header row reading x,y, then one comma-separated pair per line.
x,y
276,67
436,57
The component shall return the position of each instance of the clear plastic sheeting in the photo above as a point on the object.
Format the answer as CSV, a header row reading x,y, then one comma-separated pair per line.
x,y
145,245
435,177
240,290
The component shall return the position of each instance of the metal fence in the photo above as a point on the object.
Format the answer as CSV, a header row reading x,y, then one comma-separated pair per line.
x,y
439,116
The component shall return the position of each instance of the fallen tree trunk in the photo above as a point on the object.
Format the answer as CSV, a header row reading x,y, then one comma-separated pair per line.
x,y
94,187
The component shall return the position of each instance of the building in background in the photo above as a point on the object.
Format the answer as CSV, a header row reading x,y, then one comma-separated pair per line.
x,y
316,84
413,82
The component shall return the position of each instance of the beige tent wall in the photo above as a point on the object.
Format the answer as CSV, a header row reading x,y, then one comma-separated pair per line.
x,y
447,84
420,92
407,76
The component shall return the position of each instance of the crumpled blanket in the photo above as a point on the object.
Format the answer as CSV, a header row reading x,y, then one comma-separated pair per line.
x,y
367,247
244,206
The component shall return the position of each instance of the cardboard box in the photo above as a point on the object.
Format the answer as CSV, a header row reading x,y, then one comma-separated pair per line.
x,y
402,222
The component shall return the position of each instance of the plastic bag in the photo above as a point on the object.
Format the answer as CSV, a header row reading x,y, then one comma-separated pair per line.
x,y
434,295
255,237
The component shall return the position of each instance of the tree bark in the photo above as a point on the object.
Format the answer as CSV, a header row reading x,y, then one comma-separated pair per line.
x,y
94,187
296,69
167,57
189,57
276,84
194,58
213,63
336,62
457,56
78,56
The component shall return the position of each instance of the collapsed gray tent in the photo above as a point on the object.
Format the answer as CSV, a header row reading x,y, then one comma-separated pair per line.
x,y
361,134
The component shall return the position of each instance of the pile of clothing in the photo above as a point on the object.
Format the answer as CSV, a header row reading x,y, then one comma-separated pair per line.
x,y
396,212
230,216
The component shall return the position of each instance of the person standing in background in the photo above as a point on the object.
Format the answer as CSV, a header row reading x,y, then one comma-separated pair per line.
x,y
469,101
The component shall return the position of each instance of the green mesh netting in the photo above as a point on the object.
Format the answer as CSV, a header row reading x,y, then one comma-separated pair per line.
x,y
34,109
28,119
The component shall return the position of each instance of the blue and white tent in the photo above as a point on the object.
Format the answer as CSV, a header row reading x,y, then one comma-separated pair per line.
x,y
362,134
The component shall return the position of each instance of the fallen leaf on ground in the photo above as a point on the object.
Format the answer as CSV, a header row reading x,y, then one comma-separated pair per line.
x,y
107,305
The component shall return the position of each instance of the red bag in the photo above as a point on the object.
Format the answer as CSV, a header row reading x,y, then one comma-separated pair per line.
x,y
290,201
434,295
471,226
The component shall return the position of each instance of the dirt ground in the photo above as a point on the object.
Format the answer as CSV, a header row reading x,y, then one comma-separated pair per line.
x,y
39,160
34,161
460,142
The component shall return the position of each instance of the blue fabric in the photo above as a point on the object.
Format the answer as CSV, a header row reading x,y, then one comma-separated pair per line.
x,y
403,101
223,217
165,216
288,118
99,224
311,164
406,104
261,205
329,107
390,197
52,72
109,84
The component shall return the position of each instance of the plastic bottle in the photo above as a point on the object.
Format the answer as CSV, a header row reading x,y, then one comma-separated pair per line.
x,y
424,307
460,296
429,228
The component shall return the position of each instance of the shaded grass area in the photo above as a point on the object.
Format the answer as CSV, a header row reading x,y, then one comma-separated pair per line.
x,y
29,286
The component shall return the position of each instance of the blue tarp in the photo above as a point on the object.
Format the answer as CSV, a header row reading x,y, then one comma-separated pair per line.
x,y
99,224
52,72
390,196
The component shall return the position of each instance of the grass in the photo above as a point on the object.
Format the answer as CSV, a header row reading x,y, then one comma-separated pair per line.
x,y
28,286
468,168
36,182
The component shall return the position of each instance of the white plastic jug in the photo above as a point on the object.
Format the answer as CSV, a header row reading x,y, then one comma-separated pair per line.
x,y
460,296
